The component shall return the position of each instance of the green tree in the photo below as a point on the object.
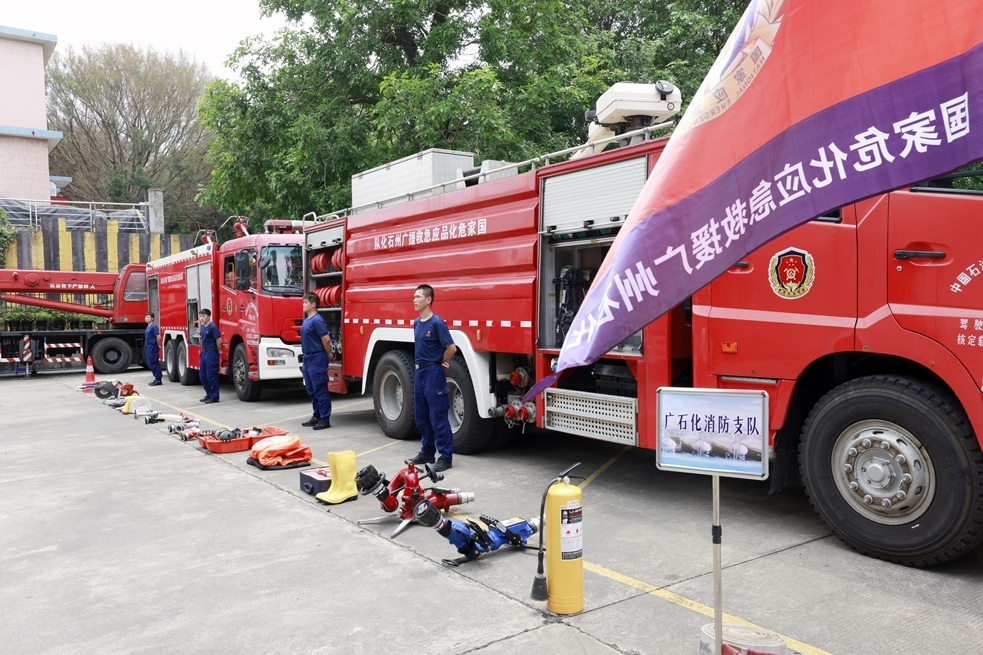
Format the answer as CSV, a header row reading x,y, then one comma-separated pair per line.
x,y
8,234
357,83
130,123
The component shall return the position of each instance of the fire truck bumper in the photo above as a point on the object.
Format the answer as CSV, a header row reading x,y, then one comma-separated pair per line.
x,y
278,360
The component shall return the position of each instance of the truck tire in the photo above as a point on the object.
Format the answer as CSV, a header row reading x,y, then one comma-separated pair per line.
x,y
111,355
186,375
247,390
392,395
471,432
892,466
170,361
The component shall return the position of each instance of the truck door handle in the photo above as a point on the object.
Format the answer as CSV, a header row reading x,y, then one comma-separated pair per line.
x,y
242,308
918,254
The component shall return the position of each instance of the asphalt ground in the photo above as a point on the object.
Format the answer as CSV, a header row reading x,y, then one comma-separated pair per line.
x,y
116,537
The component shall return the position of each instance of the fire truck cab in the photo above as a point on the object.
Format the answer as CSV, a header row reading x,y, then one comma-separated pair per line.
x,y
253,287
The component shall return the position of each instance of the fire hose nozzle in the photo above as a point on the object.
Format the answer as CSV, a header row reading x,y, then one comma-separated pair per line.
x,y
460,498
426,514
369,481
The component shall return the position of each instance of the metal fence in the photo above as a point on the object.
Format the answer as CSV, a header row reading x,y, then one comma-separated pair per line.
x,y
79,216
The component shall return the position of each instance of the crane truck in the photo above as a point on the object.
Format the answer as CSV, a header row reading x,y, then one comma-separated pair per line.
x,y
118,298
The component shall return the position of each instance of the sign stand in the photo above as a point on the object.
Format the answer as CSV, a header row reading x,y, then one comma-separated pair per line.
x,y
718,581
716,432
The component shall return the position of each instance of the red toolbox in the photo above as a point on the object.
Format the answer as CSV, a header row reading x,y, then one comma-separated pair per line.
x,y
315,481
215,445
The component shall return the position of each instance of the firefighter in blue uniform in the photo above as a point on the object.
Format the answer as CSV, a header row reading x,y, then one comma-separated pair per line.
x,y
434,347
151,349
211,345
316,344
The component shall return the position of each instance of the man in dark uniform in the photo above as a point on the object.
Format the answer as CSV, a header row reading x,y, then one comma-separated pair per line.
x,y
151,349
316,343
211,345
434,347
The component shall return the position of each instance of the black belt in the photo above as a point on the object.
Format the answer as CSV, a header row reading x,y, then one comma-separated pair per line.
x,y
420,365
209,350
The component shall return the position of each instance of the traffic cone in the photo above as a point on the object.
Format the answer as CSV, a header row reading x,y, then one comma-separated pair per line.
x,y
90,375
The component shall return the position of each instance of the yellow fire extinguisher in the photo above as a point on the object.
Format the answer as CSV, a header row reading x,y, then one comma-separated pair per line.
x,y
563,540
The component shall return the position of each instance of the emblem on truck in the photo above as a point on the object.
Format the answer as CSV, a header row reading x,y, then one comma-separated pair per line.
x,y
791,273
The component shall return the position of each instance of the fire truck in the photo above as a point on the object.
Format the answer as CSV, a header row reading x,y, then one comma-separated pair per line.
x,y
252,284
872,360
119,299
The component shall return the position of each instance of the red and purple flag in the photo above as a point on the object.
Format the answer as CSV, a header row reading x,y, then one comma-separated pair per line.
x,y
811,105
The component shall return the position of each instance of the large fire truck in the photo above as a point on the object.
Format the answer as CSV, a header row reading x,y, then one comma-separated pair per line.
x,y
252,284
119,300
871,353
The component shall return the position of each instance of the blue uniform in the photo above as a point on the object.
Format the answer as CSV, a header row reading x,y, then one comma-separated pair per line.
x,y
151,351
208,361
315,365
430,395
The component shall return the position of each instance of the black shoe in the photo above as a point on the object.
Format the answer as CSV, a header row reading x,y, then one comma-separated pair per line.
x,y
422,459
208,401
312,421
155,383
442,465
201,400
323,424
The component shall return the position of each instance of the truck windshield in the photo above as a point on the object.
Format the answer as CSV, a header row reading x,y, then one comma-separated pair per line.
x,y
282,270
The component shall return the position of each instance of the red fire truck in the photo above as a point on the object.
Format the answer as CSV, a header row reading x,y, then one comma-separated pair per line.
x,y
119,299
253,286
873,362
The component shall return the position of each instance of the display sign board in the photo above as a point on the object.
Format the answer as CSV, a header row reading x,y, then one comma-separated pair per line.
x,y
713,432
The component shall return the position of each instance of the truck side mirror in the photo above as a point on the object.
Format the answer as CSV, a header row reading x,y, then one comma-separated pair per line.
x,y
242,270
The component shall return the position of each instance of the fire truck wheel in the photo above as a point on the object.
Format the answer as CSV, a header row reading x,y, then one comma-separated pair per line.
x,y
891,464
392,395
247,390
111,355
471,432
185,374
170,361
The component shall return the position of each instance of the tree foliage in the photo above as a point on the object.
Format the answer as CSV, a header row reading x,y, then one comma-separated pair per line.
x,y
8,234
130,123
356,83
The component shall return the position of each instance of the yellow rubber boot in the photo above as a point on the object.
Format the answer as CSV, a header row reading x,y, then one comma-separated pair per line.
x,y
342,465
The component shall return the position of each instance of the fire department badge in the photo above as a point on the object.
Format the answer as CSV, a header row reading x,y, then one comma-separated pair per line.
x,y
791,273
738,63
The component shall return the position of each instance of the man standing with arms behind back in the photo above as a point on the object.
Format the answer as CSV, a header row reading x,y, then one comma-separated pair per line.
x,y
151,349
316,343
434,347
211,345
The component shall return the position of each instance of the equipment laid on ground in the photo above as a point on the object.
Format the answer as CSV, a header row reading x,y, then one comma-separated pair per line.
x,y
562,587
315,481
185,424
470,539
115,389
223,441
279,452
405,492
342,488
133,403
